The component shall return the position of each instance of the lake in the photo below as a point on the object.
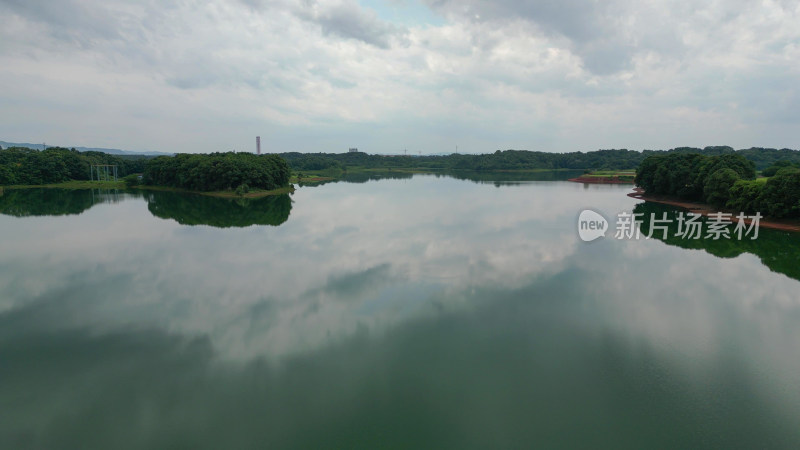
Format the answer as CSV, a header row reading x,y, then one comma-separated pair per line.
x,y
390,311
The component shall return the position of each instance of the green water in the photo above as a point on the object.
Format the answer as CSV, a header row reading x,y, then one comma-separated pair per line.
x,y
406,312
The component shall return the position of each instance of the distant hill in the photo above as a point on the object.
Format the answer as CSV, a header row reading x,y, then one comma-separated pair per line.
x,y
110,151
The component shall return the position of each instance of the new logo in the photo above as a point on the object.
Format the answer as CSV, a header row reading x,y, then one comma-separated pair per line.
x,y
591,225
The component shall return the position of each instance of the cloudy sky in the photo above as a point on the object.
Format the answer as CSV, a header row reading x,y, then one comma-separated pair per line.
x,y
385,75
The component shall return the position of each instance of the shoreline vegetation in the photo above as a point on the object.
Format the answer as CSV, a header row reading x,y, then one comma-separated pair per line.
x,y
71,184
718,176
230,174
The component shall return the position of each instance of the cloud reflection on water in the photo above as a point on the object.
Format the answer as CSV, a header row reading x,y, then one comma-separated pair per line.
x,y
435,302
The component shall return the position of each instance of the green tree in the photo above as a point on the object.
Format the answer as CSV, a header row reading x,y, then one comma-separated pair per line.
x,y
131,180
745,196
717,188
781,194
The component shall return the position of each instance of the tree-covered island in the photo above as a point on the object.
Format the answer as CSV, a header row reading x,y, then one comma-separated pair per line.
x,y
218,172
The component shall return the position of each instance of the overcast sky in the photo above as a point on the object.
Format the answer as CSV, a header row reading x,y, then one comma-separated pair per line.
x,y
385,75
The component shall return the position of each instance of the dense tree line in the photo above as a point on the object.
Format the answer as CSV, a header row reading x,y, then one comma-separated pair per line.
x,y
499,160
525,160
775,167
766,157
726,180
778,197
218,171
22,165
311,161
691,175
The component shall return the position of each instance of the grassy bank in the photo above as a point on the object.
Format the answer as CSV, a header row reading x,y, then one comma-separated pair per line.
x,y
310,177
74,184
255,193
613,173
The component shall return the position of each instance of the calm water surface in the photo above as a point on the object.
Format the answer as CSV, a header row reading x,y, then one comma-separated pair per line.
x,y
406,312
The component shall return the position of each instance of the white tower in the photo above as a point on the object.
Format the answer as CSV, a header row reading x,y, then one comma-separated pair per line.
x,y
258,145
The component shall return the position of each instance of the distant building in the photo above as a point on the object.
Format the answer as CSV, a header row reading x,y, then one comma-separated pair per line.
x,y
258,145
352,150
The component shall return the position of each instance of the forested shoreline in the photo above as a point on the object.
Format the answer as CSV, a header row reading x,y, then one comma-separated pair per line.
x,y
724,181
718,175
197,172
613,159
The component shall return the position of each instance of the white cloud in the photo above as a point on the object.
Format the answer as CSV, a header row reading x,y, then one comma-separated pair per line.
x,y
323,75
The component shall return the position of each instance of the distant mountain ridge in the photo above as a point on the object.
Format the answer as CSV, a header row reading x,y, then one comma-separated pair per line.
x,y
110,151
